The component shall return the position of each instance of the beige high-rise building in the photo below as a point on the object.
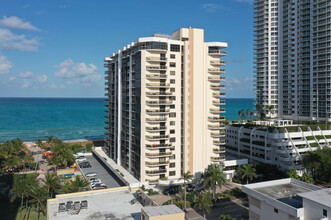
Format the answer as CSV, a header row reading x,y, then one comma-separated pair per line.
x,y
164,114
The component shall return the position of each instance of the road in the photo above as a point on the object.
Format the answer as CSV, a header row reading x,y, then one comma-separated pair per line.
x,y
105,175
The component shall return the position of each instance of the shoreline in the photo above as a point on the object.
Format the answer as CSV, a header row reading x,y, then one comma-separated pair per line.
x,y
80,140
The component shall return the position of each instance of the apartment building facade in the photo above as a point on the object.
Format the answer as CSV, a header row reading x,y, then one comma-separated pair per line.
x,y
163,105
282,146
292,58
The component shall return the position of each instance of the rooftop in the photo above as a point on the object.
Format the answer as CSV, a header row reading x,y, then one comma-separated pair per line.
x,y
161,210
322,196
116,203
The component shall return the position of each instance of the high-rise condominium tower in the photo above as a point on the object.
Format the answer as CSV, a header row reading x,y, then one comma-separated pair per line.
x,y
293,58
164,115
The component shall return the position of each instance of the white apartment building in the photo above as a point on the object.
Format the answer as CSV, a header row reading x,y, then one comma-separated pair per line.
x,y
163,105
292,58
287,199
281,143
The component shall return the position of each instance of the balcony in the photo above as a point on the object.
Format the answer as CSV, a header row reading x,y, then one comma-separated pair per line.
x,y
217,52
218,142
217,62
156,76
217,134
216,70
217,110
157,85
158,93
155,155
216,78
152,181
155,120
156,128
157,138
156,59
155,172
217,159
215,127
220,118
159,146
220,102
157,111
158,102
217,87
156,164
219,150
156,68
218,94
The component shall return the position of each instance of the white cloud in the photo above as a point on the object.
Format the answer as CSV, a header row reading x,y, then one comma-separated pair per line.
x,y
17,23
12,78
42,78
26,84
26,75
5,65
84,73
249,79
53,86
211,7
11,41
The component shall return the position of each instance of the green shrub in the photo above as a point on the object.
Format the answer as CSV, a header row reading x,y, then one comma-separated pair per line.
x,y
150,192
319,137
309,138
89,146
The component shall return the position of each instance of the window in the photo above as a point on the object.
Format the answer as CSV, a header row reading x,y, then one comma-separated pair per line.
x,y
172,173
172,81
172,106
172,73
172,98
172,90
172,56
174,48
172,131
172,165
325,213
172,64
172,115
172,139
173,157
172,122
276,210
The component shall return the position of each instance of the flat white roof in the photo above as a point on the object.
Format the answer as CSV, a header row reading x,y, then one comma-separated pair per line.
x,y
217,44
322,196
102,204
161,210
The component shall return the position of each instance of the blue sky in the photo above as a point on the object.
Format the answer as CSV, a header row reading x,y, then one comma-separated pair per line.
x,y
56,48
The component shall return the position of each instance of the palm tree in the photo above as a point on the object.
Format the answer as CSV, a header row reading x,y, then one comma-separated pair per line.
x,y
204,203
79,184
214,176
186,177
248,171
248,114
50,141
40,144
39,195
258,108
52,183
241,115
311,161
270,109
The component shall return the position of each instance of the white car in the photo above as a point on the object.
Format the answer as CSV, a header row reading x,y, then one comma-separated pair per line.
x,y
81,158
97,184
91,174
95,181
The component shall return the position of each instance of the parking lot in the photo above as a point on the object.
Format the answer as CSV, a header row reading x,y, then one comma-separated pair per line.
x,y
106,176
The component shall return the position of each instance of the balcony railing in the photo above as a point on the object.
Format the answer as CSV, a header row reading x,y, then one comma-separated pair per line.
x,y
156,68
217,134
220,118
158,59
216,159
218,142
156,76
155,172
155,119
157,111
159,163
158,137
158,146
165,154
217,62
215,127
157,84
158,93
221,102
216,70
219,149
218,94
218,52
156,128
158,102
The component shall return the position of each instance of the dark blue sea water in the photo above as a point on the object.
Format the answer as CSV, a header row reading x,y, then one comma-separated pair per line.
x,y
67,118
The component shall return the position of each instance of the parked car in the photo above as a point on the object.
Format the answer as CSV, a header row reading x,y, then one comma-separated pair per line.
x,y
85,165
99,186
81,158
93,179
171,191
191,188
91,174
84,162
78,154
97,183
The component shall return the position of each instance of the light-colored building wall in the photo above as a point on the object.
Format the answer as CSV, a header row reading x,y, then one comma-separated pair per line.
x,y
176,216
314,210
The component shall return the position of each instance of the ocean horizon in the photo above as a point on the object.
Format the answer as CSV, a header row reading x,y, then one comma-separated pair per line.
x,y
35,118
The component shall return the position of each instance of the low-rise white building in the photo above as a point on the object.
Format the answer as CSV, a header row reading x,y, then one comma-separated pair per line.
x,y
287,199
276,142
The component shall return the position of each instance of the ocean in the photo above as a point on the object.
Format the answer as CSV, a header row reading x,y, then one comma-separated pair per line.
x,y
68,118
